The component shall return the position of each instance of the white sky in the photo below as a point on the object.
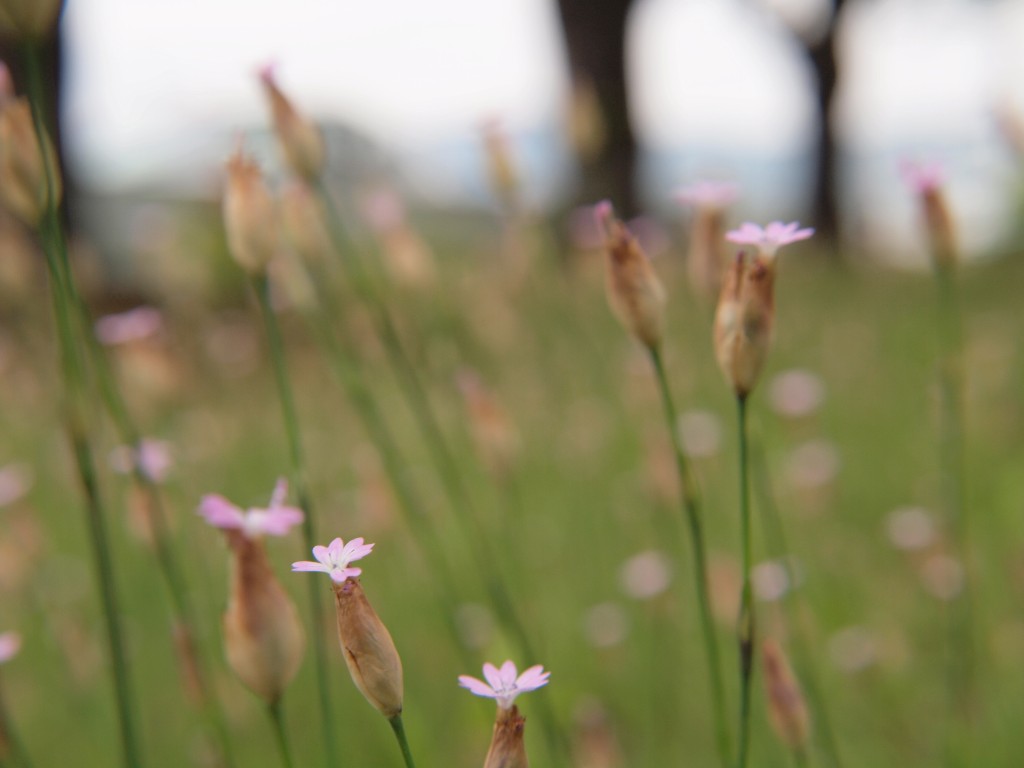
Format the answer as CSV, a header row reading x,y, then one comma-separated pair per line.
x,y
151,78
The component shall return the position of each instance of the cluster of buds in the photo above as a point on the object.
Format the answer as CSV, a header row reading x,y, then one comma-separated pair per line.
x,y
746,307
634,291
28,165
926,180
507,750
263,637
370,653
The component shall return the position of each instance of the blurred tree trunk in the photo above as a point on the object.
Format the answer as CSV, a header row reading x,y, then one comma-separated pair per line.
x,y
595,39
822,56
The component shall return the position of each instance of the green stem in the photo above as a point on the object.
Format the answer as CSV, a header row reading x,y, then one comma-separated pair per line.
x,y
692,513
9,739
298,474
472,531
961,652
403,743
280,734
746,626
75,384
802,645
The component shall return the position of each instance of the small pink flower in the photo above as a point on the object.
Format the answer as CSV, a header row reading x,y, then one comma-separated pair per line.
x,y
769,239
503,685
275,520
10,644
133,325
335,557
708,194
923,177
153,457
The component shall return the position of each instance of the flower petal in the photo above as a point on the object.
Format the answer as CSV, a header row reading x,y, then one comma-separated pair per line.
x,y
278,520
306,565
280,493
508,674
335,549
492,675
478,687
341,575
219,512
532,679
10,644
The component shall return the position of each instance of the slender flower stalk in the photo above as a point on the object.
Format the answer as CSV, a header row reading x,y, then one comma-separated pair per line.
x,y
276,715
73,371
253,237
927,181
637,298
744,321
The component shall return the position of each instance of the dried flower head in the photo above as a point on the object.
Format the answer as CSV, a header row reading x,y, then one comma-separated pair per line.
x,y
24,163
508,748
334,559
370,653
634,292
927,180
504,685
274,520
300,139
786,707
249,214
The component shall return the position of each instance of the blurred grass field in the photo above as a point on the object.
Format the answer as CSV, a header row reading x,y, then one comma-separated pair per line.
x,y
590,487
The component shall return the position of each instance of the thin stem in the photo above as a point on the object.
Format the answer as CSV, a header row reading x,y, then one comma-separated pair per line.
x,y
961,652
745,629
75,384
692,512
403,743
280,734
804,655
298,473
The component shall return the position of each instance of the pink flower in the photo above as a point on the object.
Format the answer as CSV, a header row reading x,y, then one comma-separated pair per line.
x,y
503,685
133,325
10,644
153,458
708,194
275,520
923,177
335,557
769,239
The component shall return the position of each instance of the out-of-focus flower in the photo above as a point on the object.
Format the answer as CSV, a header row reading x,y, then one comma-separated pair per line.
x,y
813,465
769,239
305,223
911,528
28,18
786,707
926,180
853,648
10,644
494,435
942,576
24,187
407,255
501,167
706,258
15,482
700,433
274,520
587,131
796,393
335,557
708,193
504,684
300,139
263,637
771,580
605,625
152,457
646,575
250,215
132,325
634,292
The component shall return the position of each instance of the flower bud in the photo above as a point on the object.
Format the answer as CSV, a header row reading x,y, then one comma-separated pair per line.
x,y
300,139
28,18
939,224
369,651
23,164
249,215
507,747
786,707
304,223
634,292
263,637
744,321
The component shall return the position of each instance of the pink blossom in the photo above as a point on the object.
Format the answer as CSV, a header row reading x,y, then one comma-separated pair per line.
x,y
335,557
708,194
769,239
133,325
503,685
10,644
153,457
274,520
923,177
